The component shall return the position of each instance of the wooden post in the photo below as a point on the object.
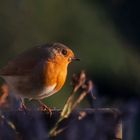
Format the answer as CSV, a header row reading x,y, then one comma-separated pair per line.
x,y
83,124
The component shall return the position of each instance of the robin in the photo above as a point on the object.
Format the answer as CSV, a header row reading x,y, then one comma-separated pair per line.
x,y
39,72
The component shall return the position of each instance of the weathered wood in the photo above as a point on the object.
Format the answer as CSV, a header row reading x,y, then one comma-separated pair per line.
x,y
83,124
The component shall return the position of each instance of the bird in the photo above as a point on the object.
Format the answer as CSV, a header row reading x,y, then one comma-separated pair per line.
x,y
38,72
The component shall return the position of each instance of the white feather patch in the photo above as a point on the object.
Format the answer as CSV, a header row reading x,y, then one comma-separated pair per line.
x,y
47,91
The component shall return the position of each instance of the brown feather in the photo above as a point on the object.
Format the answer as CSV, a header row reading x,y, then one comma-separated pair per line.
x,y
26,62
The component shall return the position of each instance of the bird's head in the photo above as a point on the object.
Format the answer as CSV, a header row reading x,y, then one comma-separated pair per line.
x,y
62,54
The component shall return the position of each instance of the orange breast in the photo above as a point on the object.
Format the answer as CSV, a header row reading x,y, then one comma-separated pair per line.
x,y
55,74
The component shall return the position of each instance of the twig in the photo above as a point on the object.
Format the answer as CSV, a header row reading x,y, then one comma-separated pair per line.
x,y
9,123
79,82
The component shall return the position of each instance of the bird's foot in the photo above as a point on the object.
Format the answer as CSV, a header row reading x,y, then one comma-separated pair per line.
x,y
22,106
44,107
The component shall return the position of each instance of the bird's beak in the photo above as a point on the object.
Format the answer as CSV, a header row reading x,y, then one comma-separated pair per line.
x,y
75,59
71,59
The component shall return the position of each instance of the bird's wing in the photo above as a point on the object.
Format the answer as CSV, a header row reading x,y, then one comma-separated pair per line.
x,y
25,62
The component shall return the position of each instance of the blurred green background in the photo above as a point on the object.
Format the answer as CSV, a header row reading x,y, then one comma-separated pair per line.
x,y
90,28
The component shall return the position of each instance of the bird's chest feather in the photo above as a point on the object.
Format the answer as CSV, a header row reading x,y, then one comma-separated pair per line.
x,y
55,74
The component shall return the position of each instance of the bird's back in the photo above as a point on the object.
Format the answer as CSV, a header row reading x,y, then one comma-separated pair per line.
x,y
24,63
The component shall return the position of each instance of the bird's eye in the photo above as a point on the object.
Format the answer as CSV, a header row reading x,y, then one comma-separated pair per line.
x,y
64,52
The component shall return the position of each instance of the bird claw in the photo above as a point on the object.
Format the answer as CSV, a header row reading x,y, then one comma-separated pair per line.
x,y
46,108
23,108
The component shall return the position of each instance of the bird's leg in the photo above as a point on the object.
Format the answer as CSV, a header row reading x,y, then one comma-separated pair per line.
x,y
22,105
44,107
